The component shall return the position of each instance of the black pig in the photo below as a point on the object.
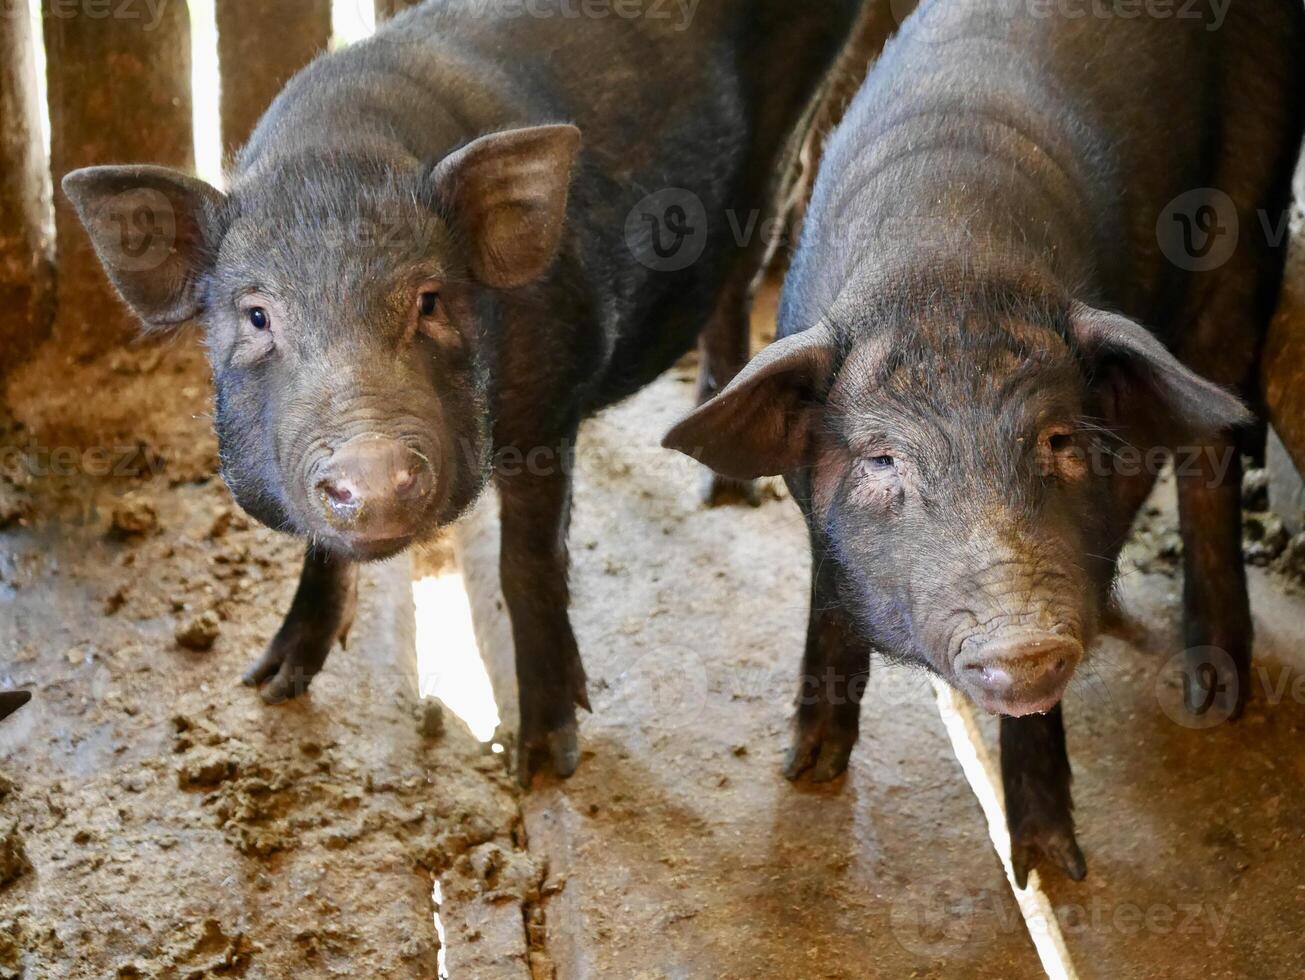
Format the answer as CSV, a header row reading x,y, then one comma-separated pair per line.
x,y
964,389
430,264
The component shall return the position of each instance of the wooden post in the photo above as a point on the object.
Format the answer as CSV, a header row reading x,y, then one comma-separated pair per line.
x,y
1283,367
261,43
388,8
119,79
26,284
1282,375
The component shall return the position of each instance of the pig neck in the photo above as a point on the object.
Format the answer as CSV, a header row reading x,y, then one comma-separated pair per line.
x,y
366,136
974,188
408,104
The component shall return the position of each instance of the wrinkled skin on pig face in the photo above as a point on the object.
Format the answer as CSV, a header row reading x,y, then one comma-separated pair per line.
x,y
343,349
951,482
346,299
953,458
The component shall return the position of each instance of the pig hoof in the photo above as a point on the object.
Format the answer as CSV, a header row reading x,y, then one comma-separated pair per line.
x,y
1213,687
722,491
1056,844
264,667
558,750
285,677
824,757
287,684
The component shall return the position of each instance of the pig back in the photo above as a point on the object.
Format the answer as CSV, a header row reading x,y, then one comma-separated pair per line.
x,y
702,107
1051,143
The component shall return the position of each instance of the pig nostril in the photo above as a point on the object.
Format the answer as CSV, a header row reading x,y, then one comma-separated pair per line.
x,y
411,482
337,492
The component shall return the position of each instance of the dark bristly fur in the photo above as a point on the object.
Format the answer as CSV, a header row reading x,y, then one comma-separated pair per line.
x,y
545,314
962,360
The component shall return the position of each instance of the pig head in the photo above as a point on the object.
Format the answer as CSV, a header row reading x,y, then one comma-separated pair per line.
x,y
345,299
954,446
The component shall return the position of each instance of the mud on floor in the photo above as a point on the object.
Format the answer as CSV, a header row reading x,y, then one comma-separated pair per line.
x,y
156,820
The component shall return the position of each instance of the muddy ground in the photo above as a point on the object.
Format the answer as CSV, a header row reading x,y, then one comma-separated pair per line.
x,y
158,819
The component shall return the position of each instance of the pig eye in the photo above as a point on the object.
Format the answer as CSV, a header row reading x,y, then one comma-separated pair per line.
x,y
878,465
258,318
428,303
1059,454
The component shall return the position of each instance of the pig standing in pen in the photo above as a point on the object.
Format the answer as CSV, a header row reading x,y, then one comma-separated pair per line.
x,y
439,251
1039,246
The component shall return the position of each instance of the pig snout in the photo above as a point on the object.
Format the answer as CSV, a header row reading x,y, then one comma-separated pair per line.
x,y
372,491
1020,675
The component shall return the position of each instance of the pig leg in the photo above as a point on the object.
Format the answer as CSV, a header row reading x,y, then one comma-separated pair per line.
x,y
835,670
1221,343
535,513
723,349
1217,629
1035,776
321,613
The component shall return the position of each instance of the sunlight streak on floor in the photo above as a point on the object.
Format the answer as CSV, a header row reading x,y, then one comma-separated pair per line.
x,y
449,665
985,782
42,92
437,898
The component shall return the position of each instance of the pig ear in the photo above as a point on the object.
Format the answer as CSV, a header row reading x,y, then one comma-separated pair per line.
x,y
760,425
1109,342
155,231
507,193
